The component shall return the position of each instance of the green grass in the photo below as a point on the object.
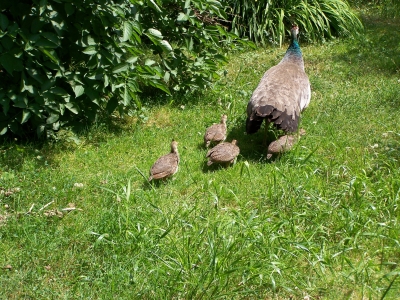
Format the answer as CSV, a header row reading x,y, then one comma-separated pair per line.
x,y
322,220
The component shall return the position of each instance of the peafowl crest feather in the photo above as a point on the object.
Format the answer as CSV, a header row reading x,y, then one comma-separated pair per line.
x,y
283,92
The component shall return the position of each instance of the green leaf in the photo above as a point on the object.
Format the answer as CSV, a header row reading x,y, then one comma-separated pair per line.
x,y
149,62
151,32
59,91
62,109
87,40
14,126
187,4
35,108
42,6
137,37
160,86
92,93
69,8
182,17
4,130
3,22
136,26
5,103
111,105
72,107
51,37
34,73
78,90
56,125
132,59
120,68
127,31
167,76
37,24
40,130
189,44
7,42
11,63
20,101
214,2
90,50
165,46
58,25
53,118
50,55
45,44
154,5
26,114
125,96
133,85
48,84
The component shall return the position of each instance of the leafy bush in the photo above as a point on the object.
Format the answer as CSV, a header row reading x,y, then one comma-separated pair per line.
x,y
64,61
266,20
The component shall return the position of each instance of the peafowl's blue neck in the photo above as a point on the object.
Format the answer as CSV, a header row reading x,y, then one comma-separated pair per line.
x,y
293,53
294,48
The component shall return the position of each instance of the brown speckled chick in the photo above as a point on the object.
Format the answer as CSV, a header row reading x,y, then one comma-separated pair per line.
x,y
166,165
283,144
224,153
216,132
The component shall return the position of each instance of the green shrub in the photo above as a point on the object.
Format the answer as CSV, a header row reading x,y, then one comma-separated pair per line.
x,y
63,61
266,21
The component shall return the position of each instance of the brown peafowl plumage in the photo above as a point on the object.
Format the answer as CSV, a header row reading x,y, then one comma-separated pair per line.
x,y
224,153
283,92
216,132
166,165
283,144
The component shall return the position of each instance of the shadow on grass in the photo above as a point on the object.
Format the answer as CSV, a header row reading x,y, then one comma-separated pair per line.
x,y
13,154
253,147
14,151
215,167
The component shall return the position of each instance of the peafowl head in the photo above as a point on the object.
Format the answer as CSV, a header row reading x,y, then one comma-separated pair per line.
x,y
224,118
293,53
174,146
294,31
294,47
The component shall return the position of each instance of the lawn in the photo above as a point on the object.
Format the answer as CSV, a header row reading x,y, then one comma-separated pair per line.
x,y
79,220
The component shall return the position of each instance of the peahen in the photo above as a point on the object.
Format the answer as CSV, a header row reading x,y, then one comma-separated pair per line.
x,y
167,165
283,92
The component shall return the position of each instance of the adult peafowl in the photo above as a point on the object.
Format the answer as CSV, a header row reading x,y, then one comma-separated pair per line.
x,y
283,92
